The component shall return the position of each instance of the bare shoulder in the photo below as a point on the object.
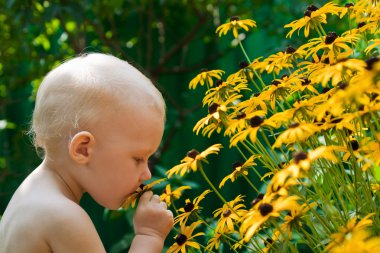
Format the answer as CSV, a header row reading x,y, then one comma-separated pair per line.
x,y
68,228
39,218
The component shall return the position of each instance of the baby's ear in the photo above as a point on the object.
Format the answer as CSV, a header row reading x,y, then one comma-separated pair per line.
x,y
81,146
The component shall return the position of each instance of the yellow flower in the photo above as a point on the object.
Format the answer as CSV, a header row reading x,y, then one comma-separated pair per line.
x,y
358,242
215,241
205,77
342,70
302,161
282,60
217,117
334,47
227,217
132,199
297,132
224,90
263,211
313,17
193,160
375,44
293,220
168,195
239,169
186,239
339,239
190,209
255,123
235,24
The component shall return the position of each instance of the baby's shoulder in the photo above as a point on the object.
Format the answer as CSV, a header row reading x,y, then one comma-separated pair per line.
x,y
48,224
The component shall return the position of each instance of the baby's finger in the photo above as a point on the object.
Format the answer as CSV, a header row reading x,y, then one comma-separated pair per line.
x,y
162,203
146,196
156,198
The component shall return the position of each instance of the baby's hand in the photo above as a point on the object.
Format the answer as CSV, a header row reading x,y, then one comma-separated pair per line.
x,y
152,218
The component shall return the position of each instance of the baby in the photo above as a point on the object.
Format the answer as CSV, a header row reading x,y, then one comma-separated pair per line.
x,y
97,120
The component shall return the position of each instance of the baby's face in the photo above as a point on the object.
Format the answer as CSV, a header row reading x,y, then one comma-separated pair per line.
x,y
123,144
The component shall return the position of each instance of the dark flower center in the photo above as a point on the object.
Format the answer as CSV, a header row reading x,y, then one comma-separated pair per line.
x,y
299,156
257,199
241,115
348,5
226,213
188,207
219,82
192,153
275,82
237,164
284,76
361,24
305,81
212,108
309,10
141,186
336,120
180,239
325,89
290,50
243,64
354,144
265,209
370,62
203,70
268,241
294,125
234,18
256,94
342,85
330,38
256,121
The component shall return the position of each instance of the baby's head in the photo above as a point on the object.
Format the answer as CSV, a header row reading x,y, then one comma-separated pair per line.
x,y
79,93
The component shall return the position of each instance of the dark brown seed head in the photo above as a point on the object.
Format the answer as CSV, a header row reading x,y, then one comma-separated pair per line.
x,y
290,50
370,62
180,239
305,81
234,18
256,121
241,115
268,241
243,64
193,153
237,164
348,5
141,186
203,70
361,24
330,38
342,85
312,7
265,209
226,213
275,82
213,108
354,145
299,156
188,207
294,125
219,82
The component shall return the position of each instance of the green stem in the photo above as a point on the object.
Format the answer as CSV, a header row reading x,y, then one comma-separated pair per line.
x,y
215,190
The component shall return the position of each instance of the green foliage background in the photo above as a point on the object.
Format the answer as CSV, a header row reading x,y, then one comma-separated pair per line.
x,y
169,40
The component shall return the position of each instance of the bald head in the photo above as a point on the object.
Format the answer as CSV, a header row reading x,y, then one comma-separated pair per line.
x,y
78,92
